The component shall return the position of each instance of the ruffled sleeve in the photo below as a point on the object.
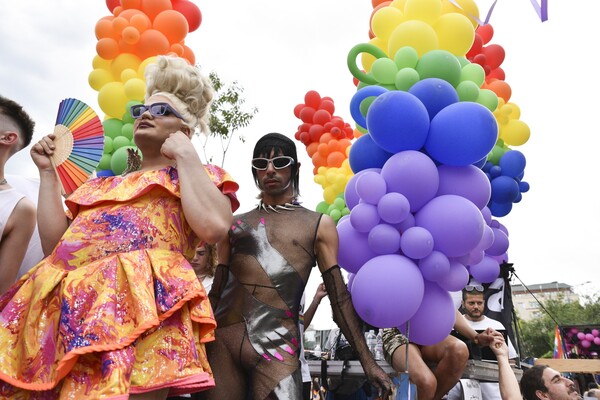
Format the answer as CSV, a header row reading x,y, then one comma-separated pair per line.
x,y
225,183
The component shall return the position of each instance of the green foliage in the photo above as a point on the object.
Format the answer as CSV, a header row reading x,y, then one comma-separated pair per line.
x,y
538,334
226,114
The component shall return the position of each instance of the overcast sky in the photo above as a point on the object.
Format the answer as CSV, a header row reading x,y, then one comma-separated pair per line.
x,y
279,50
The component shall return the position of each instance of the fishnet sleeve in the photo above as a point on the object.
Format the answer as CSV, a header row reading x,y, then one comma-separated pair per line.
x,y
219,282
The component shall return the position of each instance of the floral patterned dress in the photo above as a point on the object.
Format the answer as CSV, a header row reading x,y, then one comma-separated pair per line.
x,y
116,308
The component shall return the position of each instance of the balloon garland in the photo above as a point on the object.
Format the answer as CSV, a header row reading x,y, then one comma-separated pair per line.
x,y
128,40
431,162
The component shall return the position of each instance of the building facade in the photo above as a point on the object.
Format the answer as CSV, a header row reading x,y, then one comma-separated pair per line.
x,y
527,307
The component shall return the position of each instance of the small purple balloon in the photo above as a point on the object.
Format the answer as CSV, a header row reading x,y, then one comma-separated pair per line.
x,y
351,197
364,217
393,207
485,271
383,281
416,242
370,187
434,319
500,243
456,278
435,266
384,239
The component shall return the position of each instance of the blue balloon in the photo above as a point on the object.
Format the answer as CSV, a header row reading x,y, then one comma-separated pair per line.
x,y
512,163
105,172
358,97
462,134
435,94
495,171
504,189
500,209
364,154
398,121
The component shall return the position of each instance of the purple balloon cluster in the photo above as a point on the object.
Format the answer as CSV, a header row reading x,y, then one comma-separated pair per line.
x,y
419,223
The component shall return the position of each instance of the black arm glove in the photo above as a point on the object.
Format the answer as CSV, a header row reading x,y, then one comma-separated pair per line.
x,y
219,282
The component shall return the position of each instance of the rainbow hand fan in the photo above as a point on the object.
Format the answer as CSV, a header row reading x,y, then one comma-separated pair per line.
x,y
79,143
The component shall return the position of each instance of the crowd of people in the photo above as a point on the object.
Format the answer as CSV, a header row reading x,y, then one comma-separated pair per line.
x,y
148,286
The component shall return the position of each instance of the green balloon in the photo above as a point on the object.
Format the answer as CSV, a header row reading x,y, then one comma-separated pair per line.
x,y
121,141
336,215
495,155
108,145
467,91
463,60
118,162
127,118
351,61
127,131
322,207
474,73
440,64
104,162
365,104
112,127
384,70
345,211
406,57
488,99
339,203
406,78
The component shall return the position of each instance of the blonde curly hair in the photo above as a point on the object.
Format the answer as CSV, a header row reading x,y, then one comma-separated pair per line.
x,y
184,85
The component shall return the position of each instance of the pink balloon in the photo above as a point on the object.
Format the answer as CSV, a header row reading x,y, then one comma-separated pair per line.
x,y
581,336
589,337
585,344
595,332
597,341
383,281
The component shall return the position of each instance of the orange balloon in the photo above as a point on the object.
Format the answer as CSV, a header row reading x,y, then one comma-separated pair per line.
x,y
154,7
323,150
107,48
104,29
172,24
129,13
127,4
376,3
130,35
312,148
177,49
141,22
119,23
152,43
501,88
189,55
335,159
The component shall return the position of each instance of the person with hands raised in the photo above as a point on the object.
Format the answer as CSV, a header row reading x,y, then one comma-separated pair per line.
x,y
116,305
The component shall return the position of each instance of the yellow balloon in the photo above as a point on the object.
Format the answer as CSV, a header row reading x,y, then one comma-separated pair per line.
x,y
413,33
99,62
468,8
514,112
142,68
515,133
135,89
399,4
455,33
112,99
367,60
329,195
385,20
128,74
424,10
124,61
98,78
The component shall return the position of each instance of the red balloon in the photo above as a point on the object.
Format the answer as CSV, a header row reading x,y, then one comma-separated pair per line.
x,y
297,110
321,117
486,32
497,73
494,54
190,11
312,99
475,47
111,4
327,105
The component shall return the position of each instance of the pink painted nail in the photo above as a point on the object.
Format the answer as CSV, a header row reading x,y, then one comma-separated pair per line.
x,y
278,356
266,357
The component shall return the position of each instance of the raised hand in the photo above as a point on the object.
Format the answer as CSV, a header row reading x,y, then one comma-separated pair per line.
x,y
41,152
177,145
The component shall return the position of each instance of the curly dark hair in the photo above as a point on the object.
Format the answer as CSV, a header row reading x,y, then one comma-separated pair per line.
x,y
532,381
15,112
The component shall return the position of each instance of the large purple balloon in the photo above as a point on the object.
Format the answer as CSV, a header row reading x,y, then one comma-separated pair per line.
x,y
354,248
412,174
387,290
455,223
468,181
434,319
462,134
398,121
485,271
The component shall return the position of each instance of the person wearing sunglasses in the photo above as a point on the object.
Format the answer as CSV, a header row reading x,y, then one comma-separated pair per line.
x,y
116,306
473,303
264,267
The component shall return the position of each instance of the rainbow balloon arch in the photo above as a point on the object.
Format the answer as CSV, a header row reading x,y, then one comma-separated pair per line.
x,y
128,40
417,194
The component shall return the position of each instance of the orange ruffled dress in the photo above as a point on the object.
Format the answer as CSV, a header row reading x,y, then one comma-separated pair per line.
x,y
116,308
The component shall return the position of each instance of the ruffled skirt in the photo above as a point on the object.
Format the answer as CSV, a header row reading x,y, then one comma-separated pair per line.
x,y
128,323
